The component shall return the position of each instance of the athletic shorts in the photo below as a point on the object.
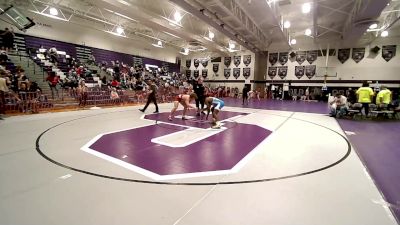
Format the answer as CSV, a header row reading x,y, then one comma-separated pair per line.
x,y
178,98
217,104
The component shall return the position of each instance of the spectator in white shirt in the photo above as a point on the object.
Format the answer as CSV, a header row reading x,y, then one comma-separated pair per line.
x,y
338,105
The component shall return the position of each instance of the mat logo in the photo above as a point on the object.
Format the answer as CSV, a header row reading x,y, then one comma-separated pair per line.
x,y
169,151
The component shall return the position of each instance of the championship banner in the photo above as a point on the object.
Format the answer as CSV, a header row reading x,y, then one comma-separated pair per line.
x,y
272,72
283,58
204,63
246,72
273,58
196,74
188,63
247,60
299,71
343,55
310,71
227,73
227,61
236,73
388,52
358,54
215,68
300,57
236,60
312,56
282,71
188,73
196,63
204,73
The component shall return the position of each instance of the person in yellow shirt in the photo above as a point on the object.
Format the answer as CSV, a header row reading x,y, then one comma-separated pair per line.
x,y
383,98
364,96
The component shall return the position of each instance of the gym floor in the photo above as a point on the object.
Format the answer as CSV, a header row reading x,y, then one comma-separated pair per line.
x,y
272,162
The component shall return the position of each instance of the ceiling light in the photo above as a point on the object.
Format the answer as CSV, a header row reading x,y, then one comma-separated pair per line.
x,y
373,26
53,11
211,35
286,24
308,32
177,16
158,45
232,45
293,41
120,30
185,51
306,8
385,33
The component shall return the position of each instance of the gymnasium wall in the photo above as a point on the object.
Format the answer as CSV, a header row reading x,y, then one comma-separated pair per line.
x,y
217,79
372,67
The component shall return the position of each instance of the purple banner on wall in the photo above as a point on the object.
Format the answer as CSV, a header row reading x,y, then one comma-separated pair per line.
x,y
204,73
236,73
358,54
283,58
310,71
388,52
204,63
188,74
236,60
227,73
196,74
300,57
272,72
215,68
227,61
312,56
196,63
343,55
246,72
247,60
282,71
273,58
299,71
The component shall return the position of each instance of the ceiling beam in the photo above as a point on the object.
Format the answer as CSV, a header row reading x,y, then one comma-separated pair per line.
x,y
199,13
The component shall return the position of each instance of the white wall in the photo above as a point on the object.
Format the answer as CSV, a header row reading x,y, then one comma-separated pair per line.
x,y
370,68
218,78
78,34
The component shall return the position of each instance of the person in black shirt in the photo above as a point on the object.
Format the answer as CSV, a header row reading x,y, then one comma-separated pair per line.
x,y
152,96
8,39
199,90
245,92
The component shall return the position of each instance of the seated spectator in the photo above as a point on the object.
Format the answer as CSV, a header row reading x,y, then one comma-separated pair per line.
x,y
91,60
383,98
114,94
22,78
34,87
115,83
3,56
339,103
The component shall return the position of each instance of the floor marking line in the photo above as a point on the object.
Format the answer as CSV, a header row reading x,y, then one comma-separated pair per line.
x,y
367,172
51,160
195,204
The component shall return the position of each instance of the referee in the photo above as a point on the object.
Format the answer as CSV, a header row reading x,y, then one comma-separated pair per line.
x,y
199,91
152,96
